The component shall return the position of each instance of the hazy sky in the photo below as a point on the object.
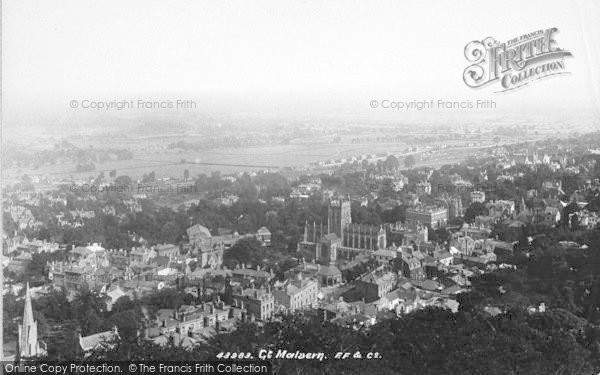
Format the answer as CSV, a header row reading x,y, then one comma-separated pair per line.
x,y
54,51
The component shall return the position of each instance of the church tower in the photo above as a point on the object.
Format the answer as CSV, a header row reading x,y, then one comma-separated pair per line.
x,y
339,216
381,239
29,346
523,207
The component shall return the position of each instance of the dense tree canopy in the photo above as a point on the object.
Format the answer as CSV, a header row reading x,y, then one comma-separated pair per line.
x,y
430,341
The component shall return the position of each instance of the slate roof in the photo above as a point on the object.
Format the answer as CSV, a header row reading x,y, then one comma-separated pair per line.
x,y
263,230
249,272
92,341
82,251
330,238
400,293
178,339
329,271
386,253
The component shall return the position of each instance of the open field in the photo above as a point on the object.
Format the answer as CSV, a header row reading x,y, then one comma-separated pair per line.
x,y
172,163
228,160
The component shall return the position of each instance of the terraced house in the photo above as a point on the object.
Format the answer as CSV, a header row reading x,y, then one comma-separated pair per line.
x,y
297,294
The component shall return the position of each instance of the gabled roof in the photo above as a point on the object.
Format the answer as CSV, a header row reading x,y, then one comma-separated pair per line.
x,y
115,294
499,244
92,341
400,293
263,230
329,271
454,289
386,253
24,256
330,238
442,255
202,272
167,246
377,277
297,286
82,251
411,261
178,340
138,251
427,284
251,272
514,223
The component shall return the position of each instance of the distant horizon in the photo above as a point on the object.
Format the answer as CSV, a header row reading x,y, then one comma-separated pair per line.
x,y
284,107
290,59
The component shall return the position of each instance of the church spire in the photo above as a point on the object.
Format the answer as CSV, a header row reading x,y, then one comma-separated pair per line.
x,y
28,337
28,311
